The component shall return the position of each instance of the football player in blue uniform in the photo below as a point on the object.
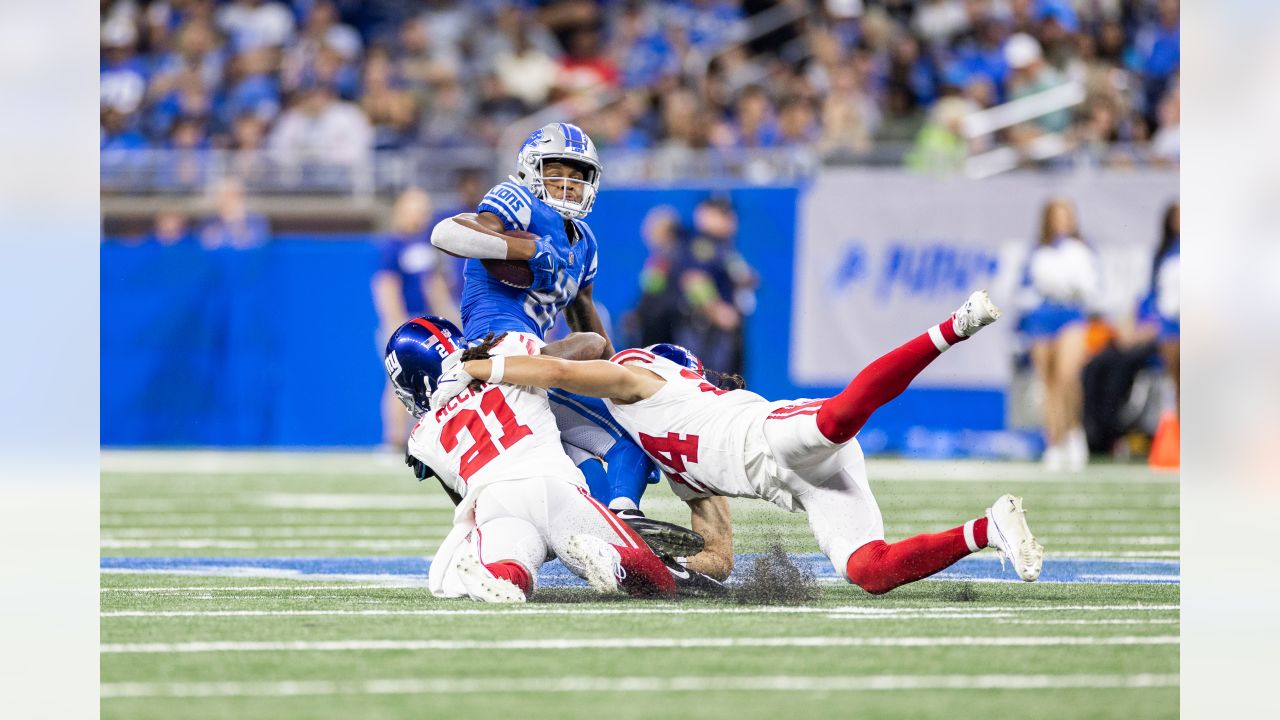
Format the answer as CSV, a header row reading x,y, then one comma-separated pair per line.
x,y
557,178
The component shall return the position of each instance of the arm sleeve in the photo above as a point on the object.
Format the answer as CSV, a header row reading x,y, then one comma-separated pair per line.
x,y
511,202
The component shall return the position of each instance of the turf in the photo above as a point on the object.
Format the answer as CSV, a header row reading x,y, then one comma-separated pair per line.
x,y
1070,649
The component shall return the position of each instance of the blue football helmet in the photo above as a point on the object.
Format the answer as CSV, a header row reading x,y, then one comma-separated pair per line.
x,y
414,356
678,355
565,143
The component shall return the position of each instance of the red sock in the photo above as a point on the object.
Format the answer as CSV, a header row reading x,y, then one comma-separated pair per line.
x,y
841,417
879,567
513,572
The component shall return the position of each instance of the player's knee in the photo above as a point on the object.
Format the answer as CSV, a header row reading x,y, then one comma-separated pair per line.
x,y
865,570
836,426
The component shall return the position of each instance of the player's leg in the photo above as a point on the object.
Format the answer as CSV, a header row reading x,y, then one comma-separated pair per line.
x,y
627,472
598,547
506,548
842,416
597,477
847,524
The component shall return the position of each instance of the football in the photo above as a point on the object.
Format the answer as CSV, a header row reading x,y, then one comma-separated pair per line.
x,y
515,273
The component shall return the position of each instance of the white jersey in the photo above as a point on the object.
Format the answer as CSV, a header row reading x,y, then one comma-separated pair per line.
x,y
696,432
491,434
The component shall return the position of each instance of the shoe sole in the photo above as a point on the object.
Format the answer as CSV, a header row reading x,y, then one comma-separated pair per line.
x,y
666,538
1015,523
584,551
483,586
992,311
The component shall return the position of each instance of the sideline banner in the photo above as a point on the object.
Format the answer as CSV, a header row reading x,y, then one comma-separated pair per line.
x,y
881,254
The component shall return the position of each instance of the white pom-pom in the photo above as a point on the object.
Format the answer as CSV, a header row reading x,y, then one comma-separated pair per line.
x,y
1078,268
1047,276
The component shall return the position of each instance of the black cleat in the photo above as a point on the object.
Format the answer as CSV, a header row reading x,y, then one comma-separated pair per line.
x,y
663,537
691,583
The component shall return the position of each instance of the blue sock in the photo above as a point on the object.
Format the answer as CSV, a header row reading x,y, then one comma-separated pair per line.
x,y
628,472
597,483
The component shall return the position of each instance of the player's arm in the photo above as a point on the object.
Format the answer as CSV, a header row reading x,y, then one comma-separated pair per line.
x,y
594,378
581,316
480,236
422,471
578,346
711,520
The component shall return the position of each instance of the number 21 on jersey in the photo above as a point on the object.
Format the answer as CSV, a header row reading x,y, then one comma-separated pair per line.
x,y
482,449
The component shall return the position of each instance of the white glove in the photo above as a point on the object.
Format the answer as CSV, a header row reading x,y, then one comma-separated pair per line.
x,y
453,379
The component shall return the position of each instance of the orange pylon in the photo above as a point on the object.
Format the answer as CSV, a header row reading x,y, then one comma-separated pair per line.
x,y
1166,448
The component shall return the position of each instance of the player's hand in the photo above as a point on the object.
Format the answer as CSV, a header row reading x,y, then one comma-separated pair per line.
x,y
453,379
546,265
420,469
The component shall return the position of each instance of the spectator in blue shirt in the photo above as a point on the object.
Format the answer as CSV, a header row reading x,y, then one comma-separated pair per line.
x,y
172,228
233,225
410,281
122,76
119,131
1157,50
254,88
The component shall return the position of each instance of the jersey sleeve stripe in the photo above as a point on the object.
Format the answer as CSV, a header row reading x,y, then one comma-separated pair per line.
x,y
802,413
490,204
812,405
522,191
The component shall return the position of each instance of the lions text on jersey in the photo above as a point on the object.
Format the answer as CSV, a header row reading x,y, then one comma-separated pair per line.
x,y
488,305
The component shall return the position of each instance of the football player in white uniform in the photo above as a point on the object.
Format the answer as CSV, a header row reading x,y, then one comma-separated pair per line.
x,y
800,455
497,449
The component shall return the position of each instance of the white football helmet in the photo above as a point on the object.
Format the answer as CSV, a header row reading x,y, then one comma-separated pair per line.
x,y
567,143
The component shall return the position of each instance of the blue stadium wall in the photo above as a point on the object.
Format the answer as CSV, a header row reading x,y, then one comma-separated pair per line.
x,y
276,347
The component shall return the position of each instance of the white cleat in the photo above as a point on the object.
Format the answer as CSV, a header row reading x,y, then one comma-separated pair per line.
x,y
1008,533
482,585
976,313
599,561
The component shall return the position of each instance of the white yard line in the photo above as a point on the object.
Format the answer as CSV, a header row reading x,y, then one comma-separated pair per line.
x,y
305,588
270,531
631,643
1098,621
843,612
775,683
1153,555
260,573
425,543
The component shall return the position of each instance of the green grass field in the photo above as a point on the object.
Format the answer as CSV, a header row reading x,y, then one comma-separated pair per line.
x,y
186,640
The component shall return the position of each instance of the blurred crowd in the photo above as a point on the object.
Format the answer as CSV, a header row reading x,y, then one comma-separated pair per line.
x,y
337,79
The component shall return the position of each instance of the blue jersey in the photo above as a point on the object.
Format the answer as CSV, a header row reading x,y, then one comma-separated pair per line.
x,y
488,305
